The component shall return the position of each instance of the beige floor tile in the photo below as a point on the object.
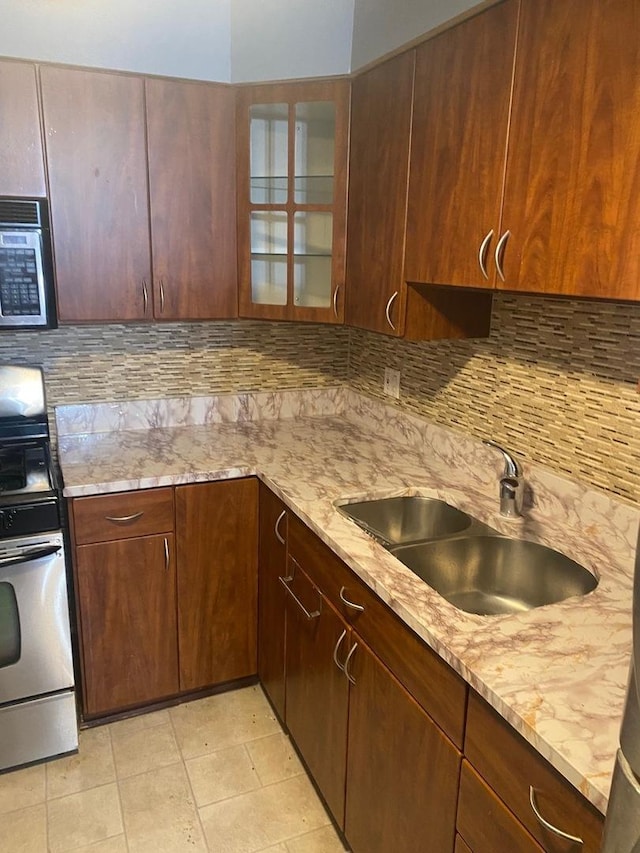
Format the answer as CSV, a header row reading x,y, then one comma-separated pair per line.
x,y
24,831
263,818
144,749
22,788
117,844
274,758
325,840
84,818
221,774
141,721
92,766
159,812
223,720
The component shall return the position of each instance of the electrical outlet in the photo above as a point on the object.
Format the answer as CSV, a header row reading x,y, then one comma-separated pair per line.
x,y
391,385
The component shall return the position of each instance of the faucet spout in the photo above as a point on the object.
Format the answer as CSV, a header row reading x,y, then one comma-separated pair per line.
x,y
511,483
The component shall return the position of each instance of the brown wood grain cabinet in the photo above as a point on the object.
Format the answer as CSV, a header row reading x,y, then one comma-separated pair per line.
x,y
272,565
217,544
191,142
292,157
96,157
21,157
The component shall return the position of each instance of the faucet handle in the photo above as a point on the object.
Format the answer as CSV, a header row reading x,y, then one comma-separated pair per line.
x,y
512,467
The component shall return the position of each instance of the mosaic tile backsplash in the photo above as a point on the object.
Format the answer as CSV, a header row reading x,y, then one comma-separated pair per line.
x,y
556,381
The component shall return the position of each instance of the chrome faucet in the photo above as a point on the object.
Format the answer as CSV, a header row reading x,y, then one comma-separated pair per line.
x,y
511,484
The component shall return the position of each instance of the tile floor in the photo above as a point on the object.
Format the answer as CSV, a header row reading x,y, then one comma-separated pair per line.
x,y
214,775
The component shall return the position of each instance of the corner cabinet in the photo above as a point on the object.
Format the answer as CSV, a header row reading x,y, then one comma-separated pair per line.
x,y
292,195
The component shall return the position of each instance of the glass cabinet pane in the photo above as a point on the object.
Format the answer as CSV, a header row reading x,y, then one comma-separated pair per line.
x,y
269,164
313,235
314,152
10,638
269,257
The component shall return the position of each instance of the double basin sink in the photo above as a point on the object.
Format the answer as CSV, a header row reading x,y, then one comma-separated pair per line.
x,y
474,567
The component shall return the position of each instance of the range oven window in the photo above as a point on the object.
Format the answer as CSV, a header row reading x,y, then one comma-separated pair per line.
x,y
10,639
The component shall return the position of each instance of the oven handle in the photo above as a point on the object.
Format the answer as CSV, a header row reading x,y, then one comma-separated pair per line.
x,y
29,556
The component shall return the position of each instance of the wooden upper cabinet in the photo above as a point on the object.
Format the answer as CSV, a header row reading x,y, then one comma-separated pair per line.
x,y
96,154
191,143
21,159
458,146
381,105
572,203
292,159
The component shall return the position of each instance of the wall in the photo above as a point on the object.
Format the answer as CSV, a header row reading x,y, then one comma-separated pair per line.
x,y
556,382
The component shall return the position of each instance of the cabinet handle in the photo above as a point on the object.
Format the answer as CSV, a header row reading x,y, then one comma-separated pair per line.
x,y
161,296
565,835
351,604
276,527
500,253
124,519
335,301
482,254
309,616
346,663
337,648
387,310
166,553
145,294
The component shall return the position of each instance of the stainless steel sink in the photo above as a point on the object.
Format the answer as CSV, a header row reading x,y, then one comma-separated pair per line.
x,y
407,519
491,575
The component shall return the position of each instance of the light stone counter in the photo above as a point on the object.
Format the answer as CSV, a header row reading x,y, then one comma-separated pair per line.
x,y
558,673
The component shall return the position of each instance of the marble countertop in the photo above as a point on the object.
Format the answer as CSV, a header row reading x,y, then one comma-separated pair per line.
x,y
558,673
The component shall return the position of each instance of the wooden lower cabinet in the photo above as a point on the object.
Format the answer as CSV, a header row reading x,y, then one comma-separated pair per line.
x,y
402,771
272,558
127,602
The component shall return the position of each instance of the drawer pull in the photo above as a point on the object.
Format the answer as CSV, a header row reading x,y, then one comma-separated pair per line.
x,y
276,527
285,583
124,519
348,603
346,663
166,553
545,823
337,648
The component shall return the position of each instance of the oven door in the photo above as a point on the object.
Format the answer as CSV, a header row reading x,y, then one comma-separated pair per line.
x,y
35,642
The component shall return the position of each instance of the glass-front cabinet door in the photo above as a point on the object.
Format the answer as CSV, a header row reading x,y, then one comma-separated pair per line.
x,y
292,184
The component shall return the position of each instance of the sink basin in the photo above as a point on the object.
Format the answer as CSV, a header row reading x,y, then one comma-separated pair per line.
x,y
491,575
407,519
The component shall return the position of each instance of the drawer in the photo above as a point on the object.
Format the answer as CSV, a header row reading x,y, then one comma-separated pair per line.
x,y
485,823
122,515
431,681
510,766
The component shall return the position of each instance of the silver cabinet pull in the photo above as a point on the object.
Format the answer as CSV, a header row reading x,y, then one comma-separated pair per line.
x,y
482,254
335,301
276,527
387,310
346,663
554,829
337,649
166,553
348,603
500,252
313,615
145,294
124,519
161,296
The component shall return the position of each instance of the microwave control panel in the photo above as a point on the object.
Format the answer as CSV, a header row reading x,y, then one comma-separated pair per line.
x,y
22,298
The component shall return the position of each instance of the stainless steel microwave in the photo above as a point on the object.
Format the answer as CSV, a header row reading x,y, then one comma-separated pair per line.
x,y
27,294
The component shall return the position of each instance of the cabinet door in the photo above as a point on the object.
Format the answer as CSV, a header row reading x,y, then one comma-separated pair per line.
x,y
127,604
217,534
458,146
96,154
272,564
402,772
317,691
21,160
381,104
191,145
292,183
572,203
